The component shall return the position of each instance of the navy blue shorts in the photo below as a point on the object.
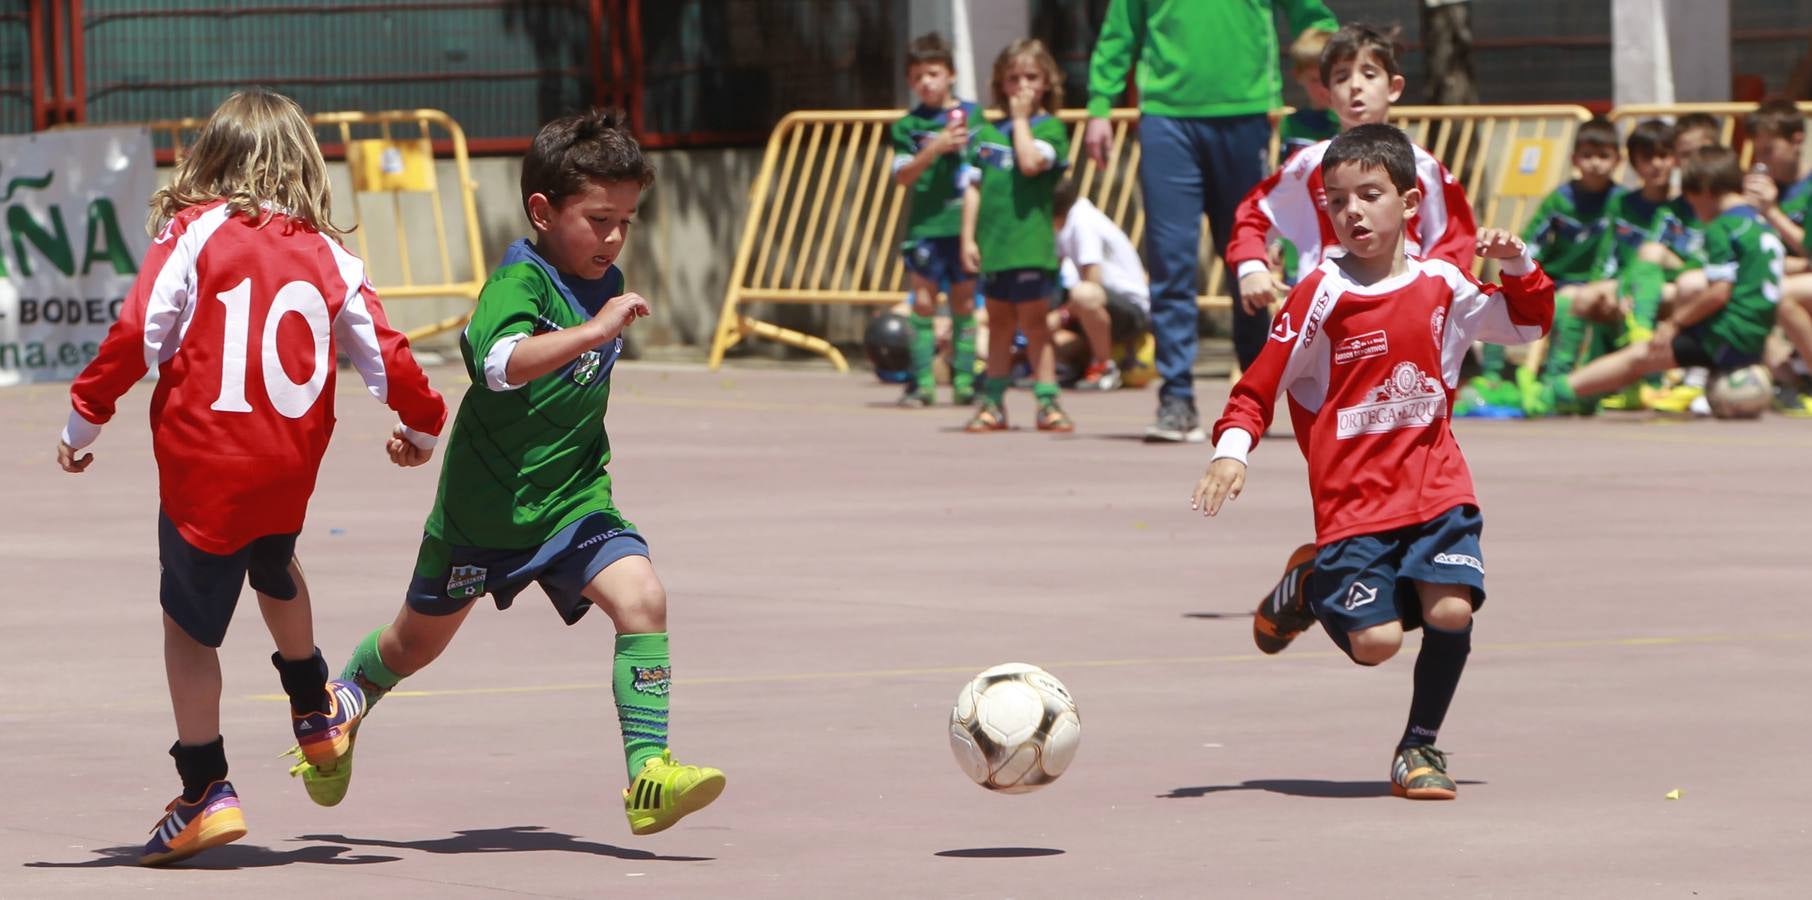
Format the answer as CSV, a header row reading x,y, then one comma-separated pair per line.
x,y
1697,347
937,260
1019,285
200,590
448,577
1370,579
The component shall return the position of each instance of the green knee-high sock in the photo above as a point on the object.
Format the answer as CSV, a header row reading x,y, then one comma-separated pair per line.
x,y
366,669
1491,360
1564,340
924,343
641,678
1643,283
962,344
1045,392
995,389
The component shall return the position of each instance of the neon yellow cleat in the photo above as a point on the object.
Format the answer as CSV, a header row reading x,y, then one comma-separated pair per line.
x,y
1677,399
665,792
326,786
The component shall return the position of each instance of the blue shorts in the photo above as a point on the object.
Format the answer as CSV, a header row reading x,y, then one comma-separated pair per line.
x,y
1019,285
1696,346
448,577
199,590
937,260
1369,579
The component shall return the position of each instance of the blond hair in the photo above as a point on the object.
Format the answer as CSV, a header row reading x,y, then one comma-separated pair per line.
x,y
1041,57
1305,51
258,153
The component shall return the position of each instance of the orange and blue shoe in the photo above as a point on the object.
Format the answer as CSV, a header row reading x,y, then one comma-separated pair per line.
x,y
1284,613
324,737
1420,773
189,828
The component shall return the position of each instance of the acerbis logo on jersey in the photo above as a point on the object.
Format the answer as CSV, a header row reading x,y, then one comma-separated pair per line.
x,y
465,582
1437,323
1282,332
1460,559
1409,398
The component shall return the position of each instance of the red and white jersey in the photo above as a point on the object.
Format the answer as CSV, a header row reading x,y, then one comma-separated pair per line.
x,y
1370,373
242,324
1292,204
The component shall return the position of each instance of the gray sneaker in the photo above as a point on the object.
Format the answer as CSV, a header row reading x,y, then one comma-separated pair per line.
x,y
1177,423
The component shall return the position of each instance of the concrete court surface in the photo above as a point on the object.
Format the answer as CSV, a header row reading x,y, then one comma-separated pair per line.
x,y
838,568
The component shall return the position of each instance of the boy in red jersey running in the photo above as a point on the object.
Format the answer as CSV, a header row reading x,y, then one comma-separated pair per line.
x,y
1368,347
246,287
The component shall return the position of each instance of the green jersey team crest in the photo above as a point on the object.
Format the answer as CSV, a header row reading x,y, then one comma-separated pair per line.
x,y
465,582
585,368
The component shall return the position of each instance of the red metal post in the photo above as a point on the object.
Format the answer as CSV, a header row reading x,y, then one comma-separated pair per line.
x,y
39,90
56,62
632,39
596,35
78,63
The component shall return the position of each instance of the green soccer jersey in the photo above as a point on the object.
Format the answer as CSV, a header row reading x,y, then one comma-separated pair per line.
x,y
526,460
1566,231
1741,249
936,209
1636,220
1013,228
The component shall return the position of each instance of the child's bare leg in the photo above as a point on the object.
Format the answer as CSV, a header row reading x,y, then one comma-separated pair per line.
x,y
291,622
1001,321
416,639
631,594
292,627
1795,313
1037,330
1088,303
193,669
1614,371
1375,645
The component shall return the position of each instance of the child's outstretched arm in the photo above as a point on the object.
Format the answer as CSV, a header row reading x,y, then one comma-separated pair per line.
x,y
1253,401
145,334
1519,311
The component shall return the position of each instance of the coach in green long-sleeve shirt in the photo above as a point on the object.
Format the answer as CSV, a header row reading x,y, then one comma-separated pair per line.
x,y
1208,72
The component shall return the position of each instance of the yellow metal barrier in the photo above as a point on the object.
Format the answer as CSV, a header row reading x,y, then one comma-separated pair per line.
x,y
392,153
1729,116
824,214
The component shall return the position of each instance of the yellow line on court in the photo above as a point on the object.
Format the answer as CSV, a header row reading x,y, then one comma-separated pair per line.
x,y
1083,664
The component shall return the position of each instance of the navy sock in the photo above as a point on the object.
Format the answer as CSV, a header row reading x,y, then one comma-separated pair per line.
x,y
1438,668
199,766
305,681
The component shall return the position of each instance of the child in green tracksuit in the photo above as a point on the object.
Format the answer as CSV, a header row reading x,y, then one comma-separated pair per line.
x,y
1011,187
525,496
1721,328
929,144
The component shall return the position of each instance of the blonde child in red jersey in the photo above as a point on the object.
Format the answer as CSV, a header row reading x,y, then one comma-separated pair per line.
x,y
241,304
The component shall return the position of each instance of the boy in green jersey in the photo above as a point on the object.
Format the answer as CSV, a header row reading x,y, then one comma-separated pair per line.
x,y
1777,131
524,494
1564,235
928,144
1721,328
1011,186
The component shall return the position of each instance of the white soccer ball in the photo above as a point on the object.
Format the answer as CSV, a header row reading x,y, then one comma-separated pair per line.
x,y
1745,393
1014,728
